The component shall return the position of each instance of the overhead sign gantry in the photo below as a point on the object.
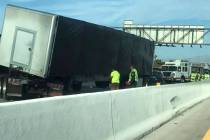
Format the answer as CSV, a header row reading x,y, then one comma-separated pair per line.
x,y
169,35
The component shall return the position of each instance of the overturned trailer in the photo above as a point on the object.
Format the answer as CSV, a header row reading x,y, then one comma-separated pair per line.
x,y
44,51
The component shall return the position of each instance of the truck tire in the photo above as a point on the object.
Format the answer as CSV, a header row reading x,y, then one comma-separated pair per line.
x,y
1,87
182,79
4,88
102,84
24,92
76,85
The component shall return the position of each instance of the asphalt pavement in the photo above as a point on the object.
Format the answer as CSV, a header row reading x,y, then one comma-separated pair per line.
x,y
190,125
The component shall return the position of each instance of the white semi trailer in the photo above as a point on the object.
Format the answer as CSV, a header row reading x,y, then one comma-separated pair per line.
x,y
44,53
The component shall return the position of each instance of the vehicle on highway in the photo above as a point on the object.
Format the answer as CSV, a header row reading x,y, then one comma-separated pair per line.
x,y
177,70
156,78
48,54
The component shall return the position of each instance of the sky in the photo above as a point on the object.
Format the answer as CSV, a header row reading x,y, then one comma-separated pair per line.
x,y
112,13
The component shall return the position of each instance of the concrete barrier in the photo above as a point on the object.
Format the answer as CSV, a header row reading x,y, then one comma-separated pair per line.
x,y
82,117
112,115
137,112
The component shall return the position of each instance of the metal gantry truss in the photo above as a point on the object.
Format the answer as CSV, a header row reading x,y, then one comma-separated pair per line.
x,y
174,41
173,36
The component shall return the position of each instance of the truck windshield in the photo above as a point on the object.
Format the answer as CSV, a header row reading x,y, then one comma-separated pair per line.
x,y
164,68
169,68
172,68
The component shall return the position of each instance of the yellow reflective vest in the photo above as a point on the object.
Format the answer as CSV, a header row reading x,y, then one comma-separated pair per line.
x,y
206,76
135,74
115,77
193,77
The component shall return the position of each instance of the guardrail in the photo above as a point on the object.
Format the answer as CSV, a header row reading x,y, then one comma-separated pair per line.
x,y
111,115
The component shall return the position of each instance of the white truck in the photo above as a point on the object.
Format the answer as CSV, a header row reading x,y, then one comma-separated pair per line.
x,y
44,54
177,70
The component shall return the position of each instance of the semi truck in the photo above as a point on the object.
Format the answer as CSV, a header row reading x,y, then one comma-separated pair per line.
x,y
177,70
44,53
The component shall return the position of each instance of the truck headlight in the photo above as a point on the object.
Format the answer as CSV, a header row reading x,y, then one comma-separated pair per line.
x,y
172,75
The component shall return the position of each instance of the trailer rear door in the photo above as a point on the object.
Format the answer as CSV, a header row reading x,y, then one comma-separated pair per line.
x,y
27,40
23,48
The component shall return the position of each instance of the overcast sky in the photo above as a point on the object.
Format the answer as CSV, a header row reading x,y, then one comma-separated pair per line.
x,y
113,12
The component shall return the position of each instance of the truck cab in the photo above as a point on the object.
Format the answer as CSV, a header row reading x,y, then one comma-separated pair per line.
x,y
178,70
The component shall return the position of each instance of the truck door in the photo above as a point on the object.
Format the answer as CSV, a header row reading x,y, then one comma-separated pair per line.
x,y
22,48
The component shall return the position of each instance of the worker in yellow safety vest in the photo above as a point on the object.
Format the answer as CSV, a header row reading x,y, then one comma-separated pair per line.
x,y
206,76
133,77
203,76
115,79
199,76
193,77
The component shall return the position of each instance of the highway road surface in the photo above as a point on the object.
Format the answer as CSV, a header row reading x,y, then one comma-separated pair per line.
x,y
190,125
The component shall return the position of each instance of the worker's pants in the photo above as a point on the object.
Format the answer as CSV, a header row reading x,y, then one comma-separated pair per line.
x,y
114,86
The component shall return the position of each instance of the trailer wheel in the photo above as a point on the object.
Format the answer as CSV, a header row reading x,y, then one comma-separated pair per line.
x,y
102,84
24,92
76,85
4,88
1,87
182,79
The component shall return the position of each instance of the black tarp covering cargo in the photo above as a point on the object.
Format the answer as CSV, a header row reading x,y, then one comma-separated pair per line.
x,y
87,50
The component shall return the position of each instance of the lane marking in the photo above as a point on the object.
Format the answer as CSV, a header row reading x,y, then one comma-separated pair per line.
x,y
207,136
